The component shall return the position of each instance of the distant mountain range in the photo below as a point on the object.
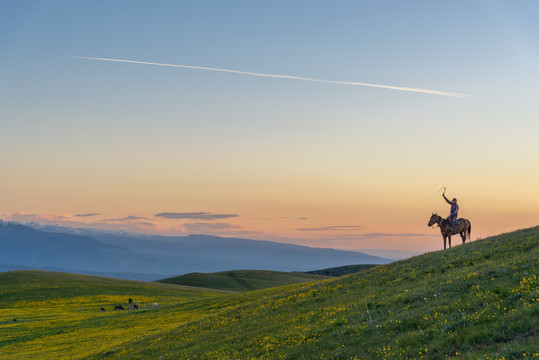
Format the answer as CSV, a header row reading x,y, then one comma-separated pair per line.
x,y
150,257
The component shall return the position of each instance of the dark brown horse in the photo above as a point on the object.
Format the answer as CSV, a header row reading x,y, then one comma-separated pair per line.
x,y
462,227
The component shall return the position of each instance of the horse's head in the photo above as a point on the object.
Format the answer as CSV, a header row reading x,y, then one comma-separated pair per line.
x,y
434,219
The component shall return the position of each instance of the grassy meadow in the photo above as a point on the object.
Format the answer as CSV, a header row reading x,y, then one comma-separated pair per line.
x,y
241,280
46,315
474,301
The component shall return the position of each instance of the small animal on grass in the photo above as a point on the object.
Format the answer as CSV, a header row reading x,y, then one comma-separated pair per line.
x,y
118,307
130,301
135,306
102,309
154,305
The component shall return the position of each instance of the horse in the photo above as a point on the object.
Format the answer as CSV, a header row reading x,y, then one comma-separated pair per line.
x,y
462,227
118,307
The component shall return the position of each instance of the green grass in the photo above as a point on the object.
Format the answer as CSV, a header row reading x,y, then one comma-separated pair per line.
x,y
241,280
474,301
57,315
32,285
342,270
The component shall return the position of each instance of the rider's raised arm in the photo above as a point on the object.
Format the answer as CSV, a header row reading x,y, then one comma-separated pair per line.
x,y
446,199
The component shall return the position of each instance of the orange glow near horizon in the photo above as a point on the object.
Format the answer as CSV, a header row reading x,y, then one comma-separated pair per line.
x,y
339,218
265,156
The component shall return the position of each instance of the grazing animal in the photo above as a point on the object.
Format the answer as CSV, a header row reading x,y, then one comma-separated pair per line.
x,y
154,305
463,228
130,301
118,307
103,309
135,307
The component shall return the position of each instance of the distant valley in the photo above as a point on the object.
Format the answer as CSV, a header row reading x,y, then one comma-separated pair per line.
x,y
152,257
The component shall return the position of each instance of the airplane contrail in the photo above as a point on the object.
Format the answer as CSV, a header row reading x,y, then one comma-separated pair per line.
x,y
391,87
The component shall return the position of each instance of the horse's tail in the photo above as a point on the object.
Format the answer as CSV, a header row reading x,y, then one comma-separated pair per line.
x,y
469,230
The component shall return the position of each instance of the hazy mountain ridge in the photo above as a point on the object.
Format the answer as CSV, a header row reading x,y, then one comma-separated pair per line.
x,y
31,248
116,253
392,254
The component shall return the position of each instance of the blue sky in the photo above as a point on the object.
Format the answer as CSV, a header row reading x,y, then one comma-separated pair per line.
x,y
117,139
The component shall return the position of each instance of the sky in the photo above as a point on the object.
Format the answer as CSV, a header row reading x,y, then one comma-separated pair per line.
x,y
189,133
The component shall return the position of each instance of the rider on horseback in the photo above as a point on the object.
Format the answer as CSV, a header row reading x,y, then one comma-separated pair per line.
x,y
454,211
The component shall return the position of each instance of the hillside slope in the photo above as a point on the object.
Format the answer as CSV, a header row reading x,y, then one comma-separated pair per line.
x,y
241,280
341,270
474,301
51,315
33,285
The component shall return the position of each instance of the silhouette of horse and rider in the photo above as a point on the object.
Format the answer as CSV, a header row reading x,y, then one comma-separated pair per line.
x,y
452,225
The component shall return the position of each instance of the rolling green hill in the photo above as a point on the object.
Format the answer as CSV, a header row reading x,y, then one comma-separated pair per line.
x,y
35,285
474,301
50,315
341,270
241,280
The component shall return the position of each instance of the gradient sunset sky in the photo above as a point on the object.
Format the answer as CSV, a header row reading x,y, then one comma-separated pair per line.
x,y
181,150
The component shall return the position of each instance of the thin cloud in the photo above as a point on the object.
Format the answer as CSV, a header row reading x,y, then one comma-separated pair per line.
x,y
128,223
139,223
86,215
334,228
40,218
352,83
195,216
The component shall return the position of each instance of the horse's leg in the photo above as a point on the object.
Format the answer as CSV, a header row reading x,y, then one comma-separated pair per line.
x,y
449,238
463,236
445,239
